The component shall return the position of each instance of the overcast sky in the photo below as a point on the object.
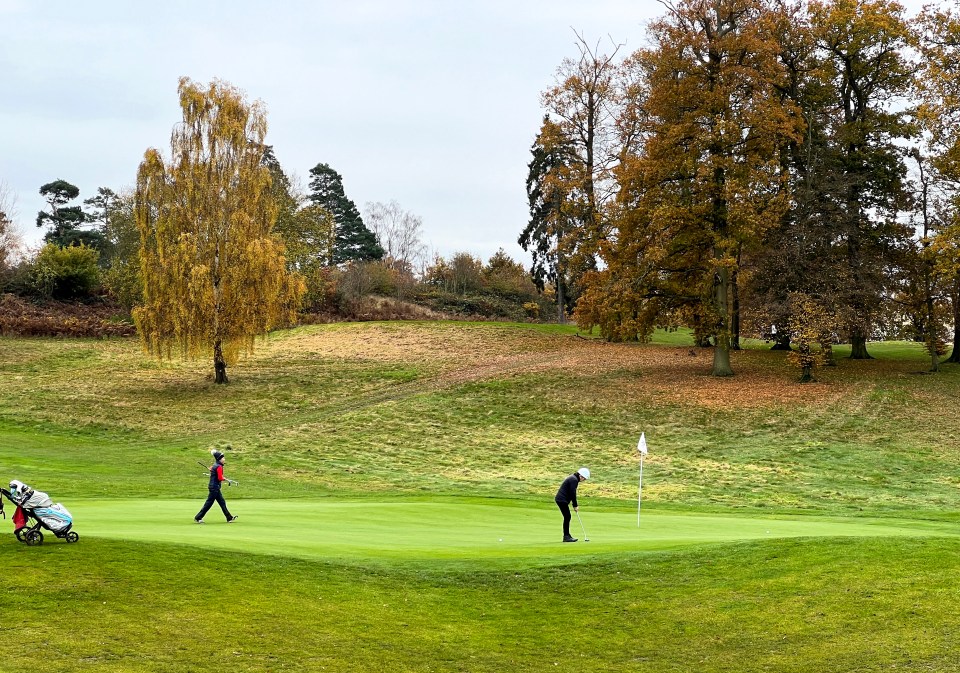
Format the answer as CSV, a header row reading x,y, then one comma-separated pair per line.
x,y
432,103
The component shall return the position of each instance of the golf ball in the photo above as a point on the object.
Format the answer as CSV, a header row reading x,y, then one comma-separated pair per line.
x,y
501,539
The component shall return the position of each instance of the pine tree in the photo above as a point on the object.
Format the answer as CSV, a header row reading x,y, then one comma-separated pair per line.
x,y
551,235
354,242
66,221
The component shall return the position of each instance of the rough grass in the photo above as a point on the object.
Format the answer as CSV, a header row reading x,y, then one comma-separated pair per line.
x,y
455,408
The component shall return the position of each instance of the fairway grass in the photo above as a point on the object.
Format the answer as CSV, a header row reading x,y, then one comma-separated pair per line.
x,y
468,534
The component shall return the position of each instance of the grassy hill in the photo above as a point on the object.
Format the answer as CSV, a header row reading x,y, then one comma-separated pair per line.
x,y
396,506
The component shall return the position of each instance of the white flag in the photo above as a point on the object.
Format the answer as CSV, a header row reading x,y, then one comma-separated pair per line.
x,y
642,444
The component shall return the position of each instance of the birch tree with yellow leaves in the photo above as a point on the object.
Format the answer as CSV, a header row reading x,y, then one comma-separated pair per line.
x,y
213,270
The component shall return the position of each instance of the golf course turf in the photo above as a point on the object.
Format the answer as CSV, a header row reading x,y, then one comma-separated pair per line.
x,y
395,507
420,532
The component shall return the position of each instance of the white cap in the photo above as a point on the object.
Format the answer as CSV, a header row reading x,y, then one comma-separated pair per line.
x,y
584,472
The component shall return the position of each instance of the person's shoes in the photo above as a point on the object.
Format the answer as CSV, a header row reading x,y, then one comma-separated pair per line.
x,y
232,519
569,539
198,520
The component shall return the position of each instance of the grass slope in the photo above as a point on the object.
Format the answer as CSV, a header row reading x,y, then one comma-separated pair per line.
x,y
793,605
381,464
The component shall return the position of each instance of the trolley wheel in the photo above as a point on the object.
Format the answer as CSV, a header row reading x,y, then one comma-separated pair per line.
x,y
72,537
34,537
21,533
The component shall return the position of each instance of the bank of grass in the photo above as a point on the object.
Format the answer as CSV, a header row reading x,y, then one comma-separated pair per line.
x,y
398,408
381,412
788,605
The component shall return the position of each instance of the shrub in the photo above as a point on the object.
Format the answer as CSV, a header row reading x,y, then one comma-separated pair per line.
x,y
361,279
19,317
65,273
322,283
122,282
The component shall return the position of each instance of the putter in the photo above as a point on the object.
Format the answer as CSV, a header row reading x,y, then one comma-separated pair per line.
x,y
585,538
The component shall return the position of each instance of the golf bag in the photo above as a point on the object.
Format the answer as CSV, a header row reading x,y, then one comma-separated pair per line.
x,y
37,505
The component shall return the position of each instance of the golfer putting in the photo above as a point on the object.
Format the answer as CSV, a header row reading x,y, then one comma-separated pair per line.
x,y
567,496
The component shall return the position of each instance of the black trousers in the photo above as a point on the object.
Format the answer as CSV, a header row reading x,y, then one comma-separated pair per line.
x,y
215,497
565,510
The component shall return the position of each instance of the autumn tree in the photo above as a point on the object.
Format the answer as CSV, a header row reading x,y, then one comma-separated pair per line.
x,y
705,182
309,236
938,84
583,105
10,240
307,230
924,286
214,272
283,193
811,325
121,253
507,278
466,272
863,45
462,273
570,180
354,241
796,254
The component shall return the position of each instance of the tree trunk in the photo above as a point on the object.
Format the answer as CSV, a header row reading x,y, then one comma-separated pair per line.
x,y
721,358
955,299
858,347
721,352
933,342
219,364
807,375
561,304
735,318
955,351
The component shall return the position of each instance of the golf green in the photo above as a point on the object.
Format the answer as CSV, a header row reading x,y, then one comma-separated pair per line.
x,y
364,531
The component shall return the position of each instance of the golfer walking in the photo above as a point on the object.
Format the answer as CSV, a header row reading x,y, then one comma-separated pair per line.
x,y
566,496
215,495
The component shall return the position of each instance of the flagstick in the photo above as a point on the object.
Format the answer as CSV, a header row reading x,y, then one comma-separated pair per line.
x,y
639,490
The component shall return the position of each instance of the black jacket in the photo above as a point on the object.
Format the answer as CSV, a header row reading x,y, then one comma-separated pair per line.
x,y
216,472
568,490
